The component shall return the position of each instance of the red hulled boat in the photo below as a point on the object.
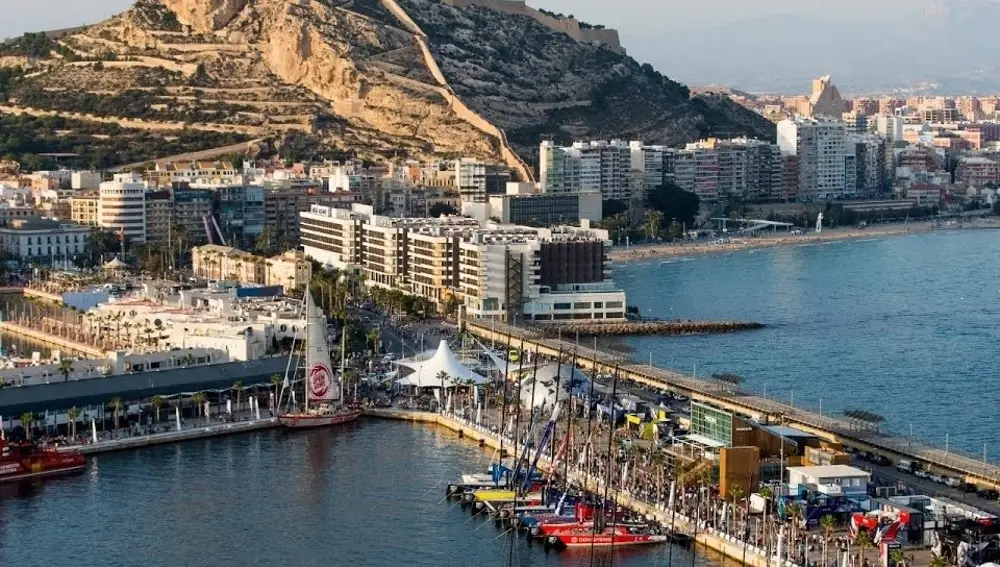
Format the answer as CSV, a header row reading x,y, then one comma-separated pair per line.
x,y
608,537
21,461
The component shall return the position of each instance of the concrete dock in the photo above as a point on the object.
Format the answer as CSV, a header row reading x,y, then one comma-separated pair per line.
x,y
193,432
65,344
737,401
712,539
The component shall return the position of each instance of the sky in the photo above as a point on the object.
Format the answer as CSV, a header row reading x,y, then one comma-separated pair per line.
x,y
732,42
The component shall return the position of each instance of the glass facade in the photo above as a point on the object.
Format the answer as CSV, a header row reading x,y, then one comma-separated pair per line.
x,y
712,423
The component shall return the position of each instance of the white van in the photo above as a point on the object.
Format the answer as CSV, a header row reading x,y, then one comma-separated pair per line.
x,y
904,466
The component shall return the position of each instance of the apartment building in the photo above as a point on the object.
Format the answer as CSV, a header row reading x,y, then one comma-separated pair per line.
x,y
85,180
121,206
281,211
215,262
83,209
159,216
477,180
240,213
191,208
502,271
820,146
45,241
977,170
587,166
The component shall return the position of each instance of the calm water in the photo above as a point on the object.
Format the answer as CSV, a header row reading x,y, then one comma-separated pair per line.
x,y
367,495
905,327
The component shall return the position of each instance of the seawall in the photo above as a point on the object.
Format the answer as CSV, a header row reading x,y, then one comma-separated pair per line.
x,y
709,537
214,430
50,339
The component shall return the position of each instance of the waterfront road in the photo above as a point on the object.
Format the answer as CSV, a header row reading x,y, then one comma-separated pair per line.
x,y
756,406
922,486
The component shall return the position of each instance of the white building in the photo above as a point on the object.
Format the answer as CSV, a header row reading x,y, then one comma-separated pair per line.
x,y
121,206
587,166
81,180
44,240
832,480
890,127
332,236
820,146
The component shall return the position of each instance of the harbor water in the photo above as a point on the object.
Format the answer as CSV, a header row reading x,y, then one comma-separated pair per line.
x,y
370,494
905,327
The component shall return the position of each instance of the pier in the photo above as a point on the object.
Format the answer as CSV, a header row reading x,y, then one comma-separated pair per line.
x,y
193,432
733,399
51,339
709,537
650,327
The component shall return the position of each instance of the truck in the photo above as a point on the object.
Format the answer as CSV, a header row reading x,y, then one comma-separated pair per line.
x,y
906,466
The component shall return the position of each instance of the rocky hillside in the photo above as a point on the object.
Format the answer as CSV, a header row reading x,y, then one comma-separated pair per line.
x,y
375,77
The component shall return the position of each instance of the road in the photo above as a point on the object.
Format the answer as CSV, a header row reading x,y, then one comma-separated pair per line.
x,y
928,487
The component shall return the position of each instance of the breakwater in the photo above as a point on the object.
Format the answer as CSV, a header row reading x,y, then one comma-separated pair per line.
x,y
709,537
656,327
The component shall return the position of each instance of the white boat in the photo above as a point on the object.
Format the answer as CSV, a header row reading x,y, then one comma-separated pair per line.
x,y
323,403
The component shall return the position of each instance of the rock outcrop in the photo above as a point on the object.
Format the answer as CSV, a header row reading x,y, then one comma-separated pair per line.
x,y
372,77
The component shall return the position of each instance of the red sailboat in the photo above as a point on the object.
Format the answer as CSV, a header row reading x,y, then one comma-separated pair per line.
x,y
21,461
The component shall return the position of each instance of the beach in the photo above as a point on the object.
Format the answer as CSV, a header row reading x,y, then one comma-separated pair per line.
x,y
783,238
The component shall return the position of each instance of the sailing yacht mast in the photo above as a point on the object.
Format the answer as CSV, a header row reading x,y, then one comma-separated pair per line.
x,y
305,378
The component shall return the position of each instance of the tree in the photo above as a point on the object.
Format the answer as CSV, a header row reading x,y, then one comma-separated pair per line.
x,y
65,367
438,209
737,493
116,405
73,414
654,220
863,541
238,388
898,558
442,376
157,403
794,511
277,380
939,561
199,399
266,241
675,203
827,523
27,420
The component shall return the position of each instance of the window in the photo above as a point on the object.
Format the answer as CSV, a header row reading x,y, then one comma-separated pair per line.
x,y
614,305
582,305
562,306
598,304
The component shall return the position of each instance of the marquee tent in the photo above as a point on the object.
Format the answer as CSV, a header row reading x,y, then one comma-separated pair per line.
x,y
426,372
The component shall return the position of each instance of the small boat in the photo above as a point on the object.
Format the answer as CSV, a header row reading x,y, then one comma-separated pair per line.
x,y
608,537
20,461
320,387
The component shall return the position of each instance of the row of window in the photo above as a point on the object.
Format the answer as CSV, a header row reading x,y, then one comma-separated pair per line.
x,y
587,305
48,239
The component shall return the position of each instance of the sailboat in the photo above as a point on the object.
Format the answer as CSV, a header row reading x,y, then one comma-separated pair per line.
x,y
323,404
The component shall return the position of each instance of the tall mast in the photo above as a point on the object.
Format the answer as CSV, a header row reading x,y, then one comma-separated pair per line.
x,y
305,376
343,352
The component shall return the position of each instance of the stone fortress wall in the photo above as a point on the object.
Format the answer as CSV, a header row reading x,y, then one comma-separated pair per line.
x,y
568,26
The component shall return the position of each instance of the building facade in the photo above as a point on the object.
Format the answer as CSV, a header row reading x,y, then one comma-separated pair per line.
x,y
159,217
820,149
44,240
121,206
83,210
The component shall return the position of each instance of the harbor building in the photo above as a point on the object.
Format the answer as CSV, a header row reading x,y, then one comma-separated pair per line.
x,y
830,480
121,206
44,240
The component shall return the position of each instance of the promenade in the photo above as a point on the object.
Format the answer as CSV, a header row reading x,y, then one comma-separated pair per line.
x,y
732,398
717,540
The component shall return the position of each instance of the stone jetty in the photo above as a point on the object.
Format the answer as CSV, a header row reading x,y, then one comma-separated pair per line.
x,y
649,327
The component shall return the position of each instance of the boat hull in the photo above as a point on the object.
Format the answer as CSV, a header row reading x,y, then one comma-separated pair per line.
x,y
308,421
571,540
60,471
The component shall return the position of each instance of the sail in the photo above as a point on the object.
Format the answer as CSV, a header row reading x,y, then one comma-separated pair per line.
x,y
319,375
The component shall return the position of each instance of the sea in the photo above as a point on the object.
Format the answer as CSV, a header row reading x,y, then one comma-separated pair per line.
x,y
367,495
905,327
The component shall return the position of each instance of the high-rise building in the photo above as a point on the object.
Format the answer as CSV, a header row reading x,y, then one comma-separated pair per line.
x,y
332,236
159,216
588,166
558,168
240,212
281,212
820,146
739,168
121,206
191,208
477,180
825,100
890,127
871,172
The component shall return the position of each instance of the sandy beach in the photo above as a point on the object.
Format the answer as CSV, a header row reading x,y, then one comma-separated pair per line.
x,y
772,240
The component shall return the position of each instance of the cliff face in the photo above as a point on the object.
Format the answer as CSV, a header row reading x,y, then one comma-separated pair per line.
x,y
376,77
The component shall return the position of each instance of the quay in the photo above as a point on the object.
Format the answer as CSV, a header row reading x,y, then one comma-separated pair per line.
x,y
193,432
53,340
650,327
733,399
711,538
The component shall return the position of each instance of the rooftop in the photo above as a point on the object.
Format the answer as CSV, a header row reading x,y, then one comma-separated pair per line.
x,y
828,471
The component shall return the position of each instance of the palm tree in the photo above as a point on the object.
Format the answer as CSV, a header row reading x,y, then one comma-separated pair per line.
x,y
27,420
863,540
277,380
939,561
199,399
794,511
188,359
737,492
116,405
238,388
65,367
827,524
898,558
157,403
73,414
442,376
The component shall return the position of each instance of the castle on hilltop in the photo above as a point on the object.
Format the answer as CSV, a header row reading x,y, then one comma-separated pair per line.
x,y
568,26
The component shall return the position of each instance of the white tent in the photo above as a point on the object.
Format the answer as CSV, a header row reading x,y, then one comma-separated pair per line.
x,y
571,381
426,373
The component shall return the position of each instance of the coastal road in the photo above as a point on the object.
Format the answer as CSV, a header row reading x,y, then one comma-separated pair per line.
x,y
928,487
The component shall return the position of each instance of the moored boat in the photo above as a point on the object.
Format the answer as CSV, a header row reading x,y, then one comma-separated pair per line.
x,y
608,537
321,389
21,461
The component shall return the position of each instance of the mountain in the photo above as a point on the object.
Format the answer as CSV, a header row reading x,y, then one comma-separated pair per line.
x,y
485,78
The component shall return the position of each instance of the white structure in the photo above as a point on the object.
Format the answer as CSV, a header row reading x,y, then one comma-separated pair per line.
x,y
820,146
542,389
832,480
890,127
440,370
588,166
332,236
45,240
121,206
80,180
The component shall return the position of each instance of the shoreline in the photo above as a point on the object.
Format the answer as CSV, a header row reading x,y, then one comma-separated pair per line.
x,y
671,250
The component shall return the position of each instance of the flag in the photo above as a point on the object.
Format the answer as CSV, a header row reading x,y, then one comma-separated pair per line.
x,y
121,234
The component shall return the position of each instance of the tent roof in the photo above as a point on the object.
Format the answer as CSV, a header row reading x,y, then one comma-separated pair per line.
x,y
425,373
115,264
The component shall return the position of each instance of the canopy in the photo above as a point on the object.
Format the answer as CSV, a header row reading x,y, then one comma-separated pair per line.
x,y
427,373
115,264
572,381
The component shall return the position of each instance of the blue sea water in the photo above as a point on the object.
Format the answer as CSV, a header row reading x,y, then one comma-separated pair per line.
x,y
906,327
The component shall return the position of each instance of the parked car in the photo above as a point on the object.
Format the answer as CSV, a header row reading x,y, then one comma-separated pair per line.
x,y
937,478
952,481
987,493
969,488
921,473
881,460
